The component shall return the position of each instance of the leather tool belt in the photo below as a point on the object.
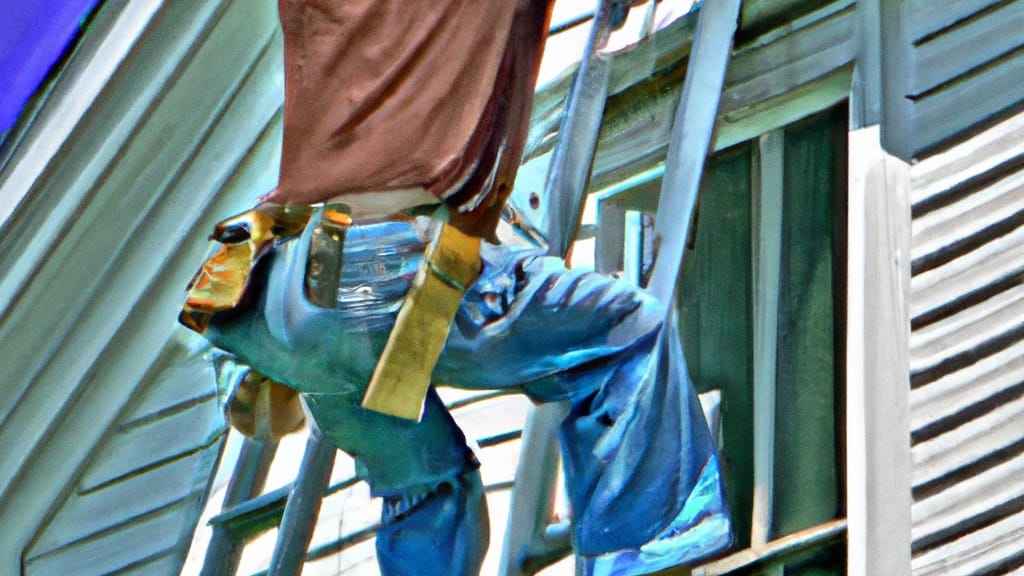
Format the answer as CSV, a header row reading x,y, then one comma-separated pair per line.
x,y
402,375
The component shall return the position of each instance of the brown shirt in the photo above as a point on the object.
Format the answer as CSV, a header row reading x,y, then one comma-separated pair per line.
x,y
393,95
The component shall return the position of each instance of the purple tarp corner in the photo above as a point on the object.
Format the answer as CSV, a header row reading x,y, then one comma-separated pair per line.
x,y
33,35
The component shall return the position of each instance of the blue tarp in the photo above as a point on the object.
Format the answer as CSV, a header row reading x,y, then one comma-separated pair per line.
x,y
33,35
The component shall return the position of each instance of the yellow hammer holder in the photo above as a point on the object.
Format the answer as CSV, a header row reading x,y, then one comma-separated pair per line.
x,y
402,376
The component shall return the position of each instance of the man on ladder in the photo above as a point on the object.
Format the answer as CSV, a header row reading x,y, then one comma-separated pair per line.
x,y
397,110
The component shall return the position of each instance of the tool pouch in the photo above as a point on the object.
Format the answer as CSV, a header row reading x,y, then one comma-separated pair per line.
x,y
263,409
223,279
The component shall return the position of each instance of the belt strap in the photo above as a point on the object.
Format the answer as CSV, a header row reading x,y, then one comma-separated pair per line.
x,y
326,250
400,381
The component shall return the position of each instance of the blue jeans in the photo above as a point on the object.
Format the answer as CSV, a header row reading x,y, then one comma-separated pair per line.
x,y
640,463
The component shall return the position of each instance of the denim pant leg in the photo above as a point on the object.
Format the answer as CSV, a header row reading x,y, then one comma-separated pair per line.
x,y
640,462
434,515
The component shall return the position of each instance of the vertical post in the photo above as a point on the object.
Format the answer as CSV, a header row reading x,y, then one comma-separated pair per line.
x,y
611,218
692,134
633,247
569,173
767,250
878,367
565,187
895,70
533,497
303,508
866,96
247,481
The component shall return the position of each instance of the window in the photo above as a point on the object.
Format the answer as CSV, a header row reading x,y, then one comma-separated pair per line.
x,y
782,452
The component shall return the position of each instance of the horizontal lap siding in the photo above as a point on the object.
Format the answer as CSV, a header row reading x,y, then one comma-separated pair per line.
x,y
967,356
957,72
108,452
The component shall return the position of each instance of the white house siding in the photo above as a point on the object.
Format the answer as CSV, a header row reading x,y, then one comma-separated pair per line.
x,y
967,356
166,118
